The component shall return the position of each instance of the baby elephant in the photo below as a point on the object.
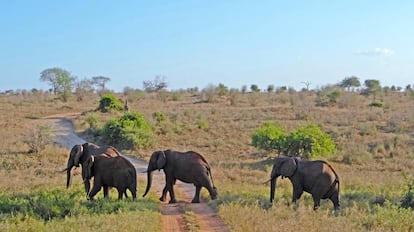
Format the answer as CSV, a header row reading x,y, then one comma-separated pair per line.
x,y
115,172
315,177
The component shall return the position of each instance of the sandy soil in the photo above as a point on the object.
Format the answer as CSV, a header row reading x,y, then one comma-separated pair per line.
x,y
203,217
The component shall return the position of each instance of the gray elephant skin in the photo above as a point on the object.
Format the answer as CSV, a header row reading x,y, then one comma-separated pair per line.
x,y
79,154
315,177
188,167
115,172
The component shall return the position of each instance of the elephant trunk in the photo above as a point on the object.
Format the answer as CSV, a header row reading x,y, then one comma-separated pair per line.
x,y
149,181
272,188
68,169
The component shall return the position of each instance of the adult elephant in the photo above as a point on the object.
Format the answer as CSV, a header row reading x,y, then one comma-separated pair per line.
x,y
189,167
315,177
115,172
80,153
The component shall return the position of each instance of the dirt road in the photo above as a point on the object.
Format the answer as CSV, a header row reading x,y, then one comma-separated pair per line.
x,y
182,216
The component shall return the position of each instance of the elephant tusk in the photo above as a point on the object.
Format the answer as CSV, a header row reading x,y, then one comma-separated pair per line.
x,y
64,170
267,181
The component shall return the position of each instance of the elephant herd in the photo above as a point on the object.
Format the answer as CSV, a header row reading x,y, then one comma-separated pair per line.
x,y
110,169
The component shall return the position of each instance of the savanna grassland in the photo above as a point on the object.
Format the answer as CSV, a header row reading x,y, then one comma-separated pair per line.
x,y
374,160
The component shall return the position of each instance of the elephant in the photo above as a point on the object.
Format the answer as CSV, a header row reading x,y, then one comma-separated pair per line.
x,y
315,177
115,172
80,153
189,167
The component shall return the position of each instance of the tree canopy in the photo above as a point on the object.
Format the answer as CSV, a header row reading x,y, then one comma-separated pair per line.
x,y
61,81
350,82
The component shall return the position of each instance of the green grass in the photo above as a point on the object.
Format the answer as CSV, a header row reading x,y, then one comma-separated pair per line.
x,y
60,210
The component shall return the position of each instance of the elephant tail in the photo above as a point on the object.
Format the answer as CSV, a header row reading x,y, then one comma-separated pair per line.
x,y
336,181
211,176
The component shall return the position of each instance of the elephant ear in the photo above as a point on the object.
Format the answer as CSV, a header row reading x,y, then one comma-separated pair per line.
x,y
288,167
78,154
161,160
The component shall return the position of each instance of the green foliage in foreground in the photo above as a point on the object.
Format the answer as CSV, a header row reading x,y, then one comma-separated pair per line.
x,y
362,210
59,210
307,142
129,131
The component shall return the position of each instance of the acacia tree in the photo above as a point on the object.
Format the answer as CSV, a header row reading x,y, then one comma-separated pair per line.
x,y
156,85
61,81
350,82
372,87
100,82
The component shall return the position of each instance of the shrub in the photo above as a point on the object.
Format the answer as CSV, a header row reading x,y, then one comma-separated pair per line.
x,y
92,120
268,136
46,205
109,103
202,124
38,138
407,200
376,104
306,142
327,96
129,131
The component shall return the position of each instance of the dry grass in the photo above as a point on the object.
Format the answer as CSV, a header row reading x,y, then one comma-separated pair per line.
x,y
374,150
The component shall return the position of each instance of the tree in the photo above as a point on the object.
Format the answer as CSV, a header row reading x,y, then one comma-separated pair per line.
x,y
61,81
254,88
156,85
307,84
350,82
270,88
222,90
100,82
82,88
372,87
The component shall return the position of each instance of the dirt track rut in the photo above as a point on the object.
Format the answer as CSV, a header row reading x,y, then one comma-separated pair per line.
x,y
204,218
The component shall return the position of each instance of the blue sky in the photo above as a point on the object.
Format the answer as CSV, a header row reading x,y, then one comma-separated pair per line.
x,y
199,42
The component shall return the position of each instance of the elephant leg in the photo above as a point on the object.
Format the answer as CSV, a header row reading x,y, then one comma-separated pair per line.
x,y
165,189
95,189
133,192
86,182
335,200
297,193
196,198
170,189
316,202
106,191
164,193
212,191
121,192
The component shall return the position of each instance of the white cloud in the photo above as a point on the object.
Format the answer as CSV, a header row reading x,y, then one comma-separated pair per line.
x,y
377,52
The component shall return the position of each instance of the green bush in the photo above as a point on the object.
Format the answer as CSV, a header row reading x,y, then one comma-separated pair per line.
x,y
129,131
376,104
202,124
46,205
407,201
269,136
92,120
109,103
57,204
306,142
